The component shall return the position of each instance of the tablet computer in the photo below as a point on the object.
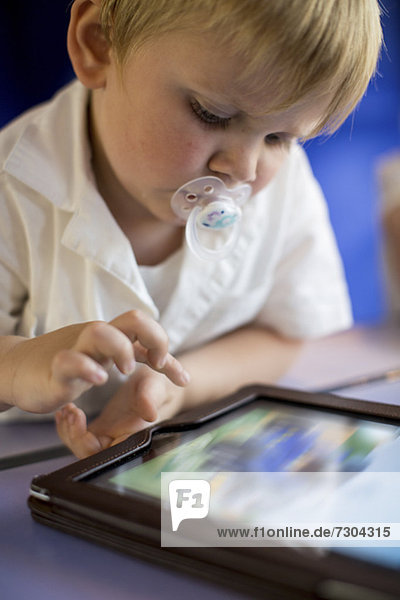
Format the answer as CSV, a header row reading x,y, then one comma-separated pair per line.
x,y
384,386
115,496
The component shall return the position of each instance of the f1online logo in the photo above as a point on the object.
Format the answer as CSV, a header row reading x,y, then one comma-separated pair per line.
x,y
189,499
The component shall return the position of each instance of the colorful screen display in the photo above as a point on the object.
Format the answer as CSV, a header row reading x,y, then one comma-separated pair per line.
x,y
266,437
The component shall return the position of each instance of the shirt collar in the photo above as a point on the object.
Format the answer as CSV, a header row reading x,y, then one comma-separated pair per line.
x,y
52,155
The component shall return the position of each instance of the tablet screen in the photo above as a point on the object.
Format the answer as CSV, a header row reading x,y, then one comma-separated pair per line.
x,y
266,436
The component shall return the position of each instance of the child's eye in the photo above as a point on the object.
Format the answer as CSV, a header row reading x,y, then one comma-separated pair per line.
x,y
207,117
273,139
278,139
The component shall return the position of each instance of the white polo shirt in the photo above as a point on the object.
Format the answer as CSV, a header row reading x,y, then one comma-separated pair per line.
x,y
64,259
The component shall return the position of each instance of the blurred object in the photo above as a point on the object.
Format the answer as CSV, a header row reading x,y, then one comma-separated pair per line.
x,y
388,171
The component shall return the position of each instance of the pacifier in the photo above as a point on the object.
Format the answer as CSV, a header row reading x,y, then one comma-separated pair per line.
x,y
207,205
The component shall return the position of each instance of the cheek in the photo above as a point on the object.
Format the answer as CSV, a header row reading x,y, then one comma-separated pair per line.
x,y
269,165
169,151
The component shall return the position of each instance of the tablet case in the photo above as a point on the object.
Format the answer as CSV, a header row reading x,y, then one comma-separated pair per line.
x,y
60,501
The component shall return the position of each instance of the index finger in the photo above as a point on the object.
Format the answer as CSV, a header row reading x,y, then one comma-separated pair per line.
x,y
172,368
136,325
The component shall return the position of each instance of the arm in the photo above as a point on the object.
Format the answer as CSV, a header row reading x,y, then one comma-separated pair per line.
x,y
245,356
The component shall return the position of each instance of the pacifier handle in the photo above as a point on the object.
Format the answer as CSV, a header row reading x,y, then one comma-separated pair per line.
x,y
193,241
206,203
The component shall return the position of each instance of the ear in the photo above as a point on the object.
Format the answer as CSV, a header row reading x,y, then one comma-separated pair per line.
x,y
88,49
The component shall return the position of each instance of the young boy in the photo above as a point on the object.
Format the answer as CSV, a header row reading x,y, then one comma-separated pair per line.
x,y
92,253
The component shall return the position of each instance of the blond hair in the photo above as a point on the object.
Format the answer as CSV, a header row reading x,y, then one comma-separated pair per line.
x,y
301,47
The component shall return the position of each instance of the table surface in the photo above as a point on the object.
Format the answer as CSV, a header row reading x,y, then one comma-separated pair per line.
x,y
40,563
359,352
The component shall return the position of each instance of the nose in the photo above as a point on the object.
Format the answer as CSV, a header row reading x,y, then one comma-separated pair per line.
x,y
236,162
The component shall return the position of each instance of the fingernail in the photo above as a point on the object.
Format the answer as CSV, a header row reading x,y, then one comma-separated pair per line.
x,y
100,375
129,366
71,418
185,377
161,362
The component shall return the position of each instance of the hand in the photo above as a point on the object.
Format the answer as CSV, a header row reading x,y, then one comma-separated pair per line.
x,y
147,396
56,368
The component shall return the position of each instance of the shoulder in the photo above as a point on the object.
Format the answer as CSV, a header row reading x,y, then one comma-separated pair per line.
x,y
39,118
40,148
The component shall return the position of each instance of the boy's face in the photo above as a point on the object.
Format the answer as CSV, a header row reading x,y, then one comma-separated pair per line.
x,y
179,114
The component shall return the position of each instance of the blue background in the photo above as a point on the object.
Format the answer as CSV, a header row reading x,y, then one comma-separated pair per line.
x,y
345,167
34,63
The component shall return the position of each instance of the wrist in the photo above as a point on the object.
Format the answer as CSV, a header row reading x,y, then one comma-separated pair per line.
x,y
10,359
